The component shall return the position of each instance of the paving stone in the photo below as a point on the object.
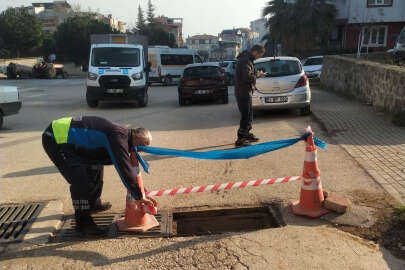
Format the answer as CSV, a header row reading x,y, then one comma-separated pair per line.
x,y
375,143
336,202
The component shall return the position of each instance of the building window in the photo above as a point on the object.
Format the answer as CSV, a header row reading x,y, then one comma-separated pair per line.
x,y
375,36
379,3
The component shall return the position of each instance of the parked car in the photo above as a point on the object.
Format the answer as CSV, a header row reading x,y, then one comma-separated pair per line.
x,y
229,67
10,102
313,67
399,49
203,81
285,85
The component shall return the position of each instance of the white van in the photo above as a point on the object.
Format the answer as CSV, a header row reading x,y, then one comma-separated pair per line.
x,y
117,70
10,102
167,65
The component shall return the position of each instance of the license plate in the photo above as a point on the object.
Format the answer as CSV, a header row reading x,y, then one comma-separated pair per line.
x,y
276,99
115,91
202,92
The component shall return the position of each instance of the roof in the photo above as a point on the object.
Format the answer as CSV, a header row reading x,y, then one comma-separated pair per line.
x,y
208,64
266,59
49,5
196,37
230,32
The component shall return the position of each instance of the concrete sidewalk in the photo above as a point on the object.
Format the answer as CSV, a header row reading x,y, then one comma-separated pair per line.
x,y
376,144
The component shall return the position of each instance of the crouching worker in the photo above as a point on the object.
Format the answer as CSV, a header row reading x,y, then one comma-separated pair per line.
x,y
79,148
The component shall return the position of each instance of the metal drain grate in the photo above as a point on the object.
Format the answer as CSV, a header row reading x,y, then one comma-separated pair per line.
x,y
107,222
15,220
163,230
67,232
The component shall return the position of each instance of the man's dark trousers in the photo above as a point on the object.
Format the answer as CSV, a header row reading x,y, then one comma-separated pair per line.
x,y
86,180
245,108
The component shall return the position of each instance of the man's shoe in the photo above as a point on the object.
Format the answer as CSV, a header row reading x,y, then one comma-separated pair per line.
x,y
252,138
100,207
86,226
242,142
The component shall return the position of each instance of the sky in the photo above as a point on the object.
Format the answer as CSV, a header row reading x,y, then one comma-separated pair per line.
x,y
200,16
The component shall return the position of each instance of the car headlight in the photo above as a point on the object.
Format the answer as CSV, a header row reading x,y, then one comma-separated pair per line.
x,y
137,76
92,76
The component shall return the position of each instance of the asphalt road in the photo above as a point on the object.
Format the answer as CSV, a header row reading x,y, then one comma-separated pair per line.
x,y
28,175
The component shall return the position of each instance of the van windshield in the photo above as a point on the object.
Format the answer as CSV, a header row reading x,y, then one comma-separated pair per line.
x,y
115,57
176,59
278,68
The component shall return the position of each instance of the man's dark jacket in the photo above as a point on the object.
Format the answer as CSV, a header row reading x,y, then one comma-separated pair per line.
x,y
245,75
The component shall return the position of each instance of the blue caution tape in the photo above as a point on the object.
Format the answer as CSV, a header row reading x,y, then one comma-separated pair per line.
x,y
237,153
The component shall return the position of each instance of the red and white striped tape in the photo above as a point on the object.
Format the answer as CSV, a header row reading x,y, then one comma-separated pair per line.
x,y
225,186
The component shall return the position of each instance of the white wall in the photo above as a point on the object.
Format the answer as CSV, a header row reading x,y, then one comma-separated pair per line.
x,y
360,13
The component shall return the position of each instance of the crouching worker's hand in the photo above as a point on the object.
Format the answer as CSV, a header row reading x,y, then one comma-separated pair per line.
x,y
149,205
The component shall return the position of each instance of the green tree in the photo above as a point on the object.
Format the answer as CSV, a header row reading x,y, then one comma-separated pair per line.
x,y
20,31
49,44
151,12
73,37
140,22
300,27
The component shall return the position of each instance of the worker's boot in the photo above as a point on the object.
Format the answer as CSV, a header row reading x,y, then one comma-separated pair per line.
x,y
100,207
86,225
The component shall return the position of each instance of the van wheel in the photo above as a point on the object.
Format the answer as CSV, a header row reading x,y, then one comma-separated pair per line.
x,y
305,111
143,102
167,81
93,103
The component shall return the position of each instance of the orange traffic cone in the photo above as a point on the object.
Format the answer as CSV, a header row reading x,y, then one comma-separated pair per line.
x,y
311,199
137,217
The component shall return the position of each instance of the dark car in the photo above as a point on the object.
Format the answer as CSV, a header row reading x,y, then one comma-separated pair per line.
x,y
203,81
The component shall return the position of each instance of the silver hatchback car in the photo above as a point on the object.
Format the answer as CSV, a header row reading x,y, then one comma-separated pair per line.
x,y
285,86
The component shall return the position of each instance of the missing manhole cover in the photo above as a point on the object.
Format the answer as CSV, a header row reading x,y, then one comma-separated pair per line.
x,y
15,220
225,220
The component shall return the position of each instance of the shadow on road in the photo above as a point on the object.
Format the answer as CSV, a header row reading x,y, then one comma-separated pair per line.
x,y
32,172
97,259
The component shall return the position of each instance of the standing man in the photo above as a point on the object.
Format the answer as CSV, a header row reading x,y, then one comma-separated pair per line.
x,y
79,148
245,84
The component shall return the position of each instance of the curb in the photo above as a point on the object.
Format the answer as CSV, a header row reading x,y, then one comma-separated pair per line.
x,y
48,221
387,187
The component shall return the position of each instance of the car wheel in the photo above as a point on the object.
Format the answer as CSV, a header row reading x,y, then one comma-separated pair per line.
x,y
1,120
305,111
92,103
143,102
225,99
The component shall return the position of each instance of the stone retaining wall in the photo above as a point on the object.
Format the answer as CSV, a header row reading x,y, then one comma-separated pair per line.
x,y
382,86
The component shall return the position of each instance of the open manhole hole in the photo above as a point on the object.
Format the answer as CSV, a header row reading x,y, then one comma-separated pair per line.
x,y
226,220
15,220
185,223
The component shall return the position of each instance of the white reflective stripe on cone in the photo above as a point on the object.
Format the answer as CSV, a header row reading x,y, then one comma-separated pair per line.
x,y
313,184
310,156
